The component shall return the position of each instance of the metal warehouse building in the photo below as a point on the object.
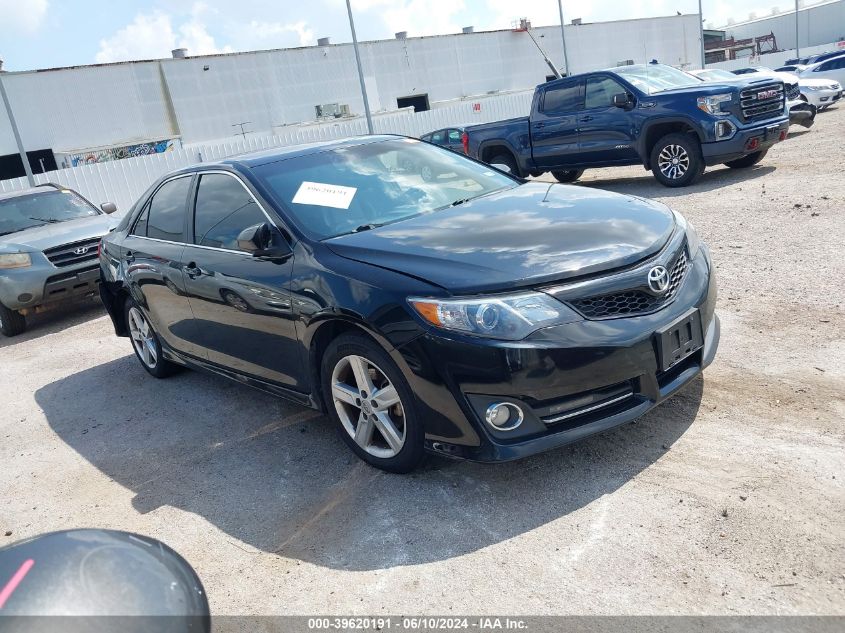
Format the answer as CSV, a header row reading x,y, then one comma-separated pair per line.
x,y
818,24
112,108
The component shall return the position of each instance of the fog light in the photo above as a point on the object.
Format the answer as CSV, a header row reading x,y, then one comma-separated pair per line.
x,y
25,298
724,129
504,416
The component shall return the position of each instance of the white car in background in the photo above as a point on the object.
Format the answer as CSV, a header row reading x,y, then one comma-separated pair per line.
x,y
821,83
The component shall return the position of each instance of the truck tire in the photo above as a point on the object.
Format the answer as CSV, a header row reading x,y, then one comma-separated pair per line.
x,y
747,161
568,175
12,322
505,159
676,160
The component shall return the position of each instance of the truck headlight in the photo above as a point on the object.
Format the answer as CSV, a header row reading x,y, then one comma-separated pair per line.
x,y
693,241
508,317
15,260
711,104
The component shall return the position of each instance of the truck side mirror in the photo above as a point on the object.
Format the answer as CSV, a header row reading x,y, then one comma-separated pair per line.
x,y
621,100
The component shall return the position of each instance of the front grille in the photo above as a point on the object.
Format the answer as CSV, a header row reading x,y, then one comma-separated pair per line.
x,y
634,301
762,102
74,253
793,92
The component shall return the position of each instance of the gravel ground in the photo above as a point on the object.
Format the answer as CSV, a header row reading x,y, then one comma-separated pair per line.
x,y
728,499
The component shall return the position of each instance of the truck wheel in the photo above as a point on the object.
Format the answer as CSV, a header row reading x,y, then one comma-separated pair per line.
x,y
676,160
747,161
568,175
507,160
12,322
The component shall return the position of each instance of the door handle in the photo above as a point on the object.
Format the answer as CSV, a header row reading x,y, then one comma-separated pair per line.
x,y
539,125
586,118
192,270
129,257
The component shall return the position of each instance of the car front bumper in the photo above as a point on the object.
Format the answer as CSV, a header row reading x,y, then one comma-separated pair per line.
x,y
822,98
41,287
570,381
745,141
801,113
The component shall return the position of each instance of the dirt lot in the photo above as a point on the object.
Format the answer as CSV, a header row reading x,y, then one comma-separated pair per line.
x,y
727,499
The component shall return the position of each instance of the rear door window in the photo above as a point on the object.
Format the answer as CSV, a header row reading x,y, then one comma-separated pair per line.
x,y
223,209
438,137
165,215
564,98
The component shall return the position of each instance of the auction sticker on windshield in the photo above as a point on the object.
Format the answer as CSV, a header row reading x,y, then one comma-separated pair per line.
x,y
324,195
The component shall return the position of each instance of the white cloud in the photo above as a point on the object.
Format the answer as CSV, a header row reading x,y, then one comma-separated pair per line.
x,y
272,30
22,16
153,36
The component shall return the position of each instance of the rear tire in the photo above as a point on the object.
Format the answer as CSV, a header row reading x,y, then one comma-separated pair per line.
x,y
747,161
567,175
505,159
378,419
12,322
146,343
676,160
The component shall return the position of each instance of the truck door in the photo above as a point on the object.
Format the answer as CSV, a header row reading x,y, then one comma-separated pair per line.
x,y
553,124
605,131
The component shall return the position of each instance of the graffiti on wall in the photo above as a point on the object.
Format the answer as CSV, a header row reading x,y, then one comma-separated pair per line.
x,y
117,153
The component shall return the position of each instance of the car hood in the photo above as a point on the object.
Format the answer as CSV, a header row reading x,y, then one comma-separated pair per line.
x,y
719,85
821,83
533,233
47,236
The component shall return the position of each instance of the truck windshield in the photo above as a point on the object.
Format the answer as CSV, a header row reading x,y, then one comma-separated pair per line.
x,y
359,187
25,212
652,78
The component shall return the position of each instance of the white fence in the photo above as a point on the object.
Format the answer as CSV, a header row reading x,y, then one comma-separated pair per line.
x,y
123,181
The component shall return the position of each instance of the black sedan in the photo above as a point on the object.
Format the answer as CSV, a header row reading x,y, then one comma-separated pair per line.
x,y
477,316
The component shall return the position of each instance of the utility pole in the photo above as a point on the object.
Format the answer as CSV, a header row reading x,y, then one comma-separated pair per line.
x,y
243,132
360,70
701,33
563,38
797,50
17,134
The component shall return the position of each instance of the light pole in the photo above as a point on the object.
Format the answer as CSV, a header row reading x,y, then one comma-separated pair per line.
x,y
360,71
563,37
16,134
797,50
701,33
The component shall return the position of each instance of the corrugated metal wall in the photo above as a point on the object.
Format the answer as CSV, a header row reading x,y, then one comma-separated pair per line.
x,y
123,181
816,25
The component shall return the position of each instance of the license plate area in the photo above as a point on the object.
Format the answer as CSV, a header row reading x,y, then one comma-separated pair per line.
x,y
772,132
679,339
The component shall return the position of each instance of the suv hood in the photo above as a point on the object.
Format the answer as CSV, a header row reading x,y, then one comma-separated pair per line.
x,y
531,234
47,236
720,85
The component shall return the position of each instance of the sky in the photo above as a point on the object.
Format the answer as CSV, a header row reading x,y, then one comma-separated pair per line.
x,y
51,33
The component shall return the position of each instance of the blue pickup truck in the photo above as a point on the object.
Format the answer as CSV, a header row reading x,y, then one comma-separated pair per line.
x,y
669,121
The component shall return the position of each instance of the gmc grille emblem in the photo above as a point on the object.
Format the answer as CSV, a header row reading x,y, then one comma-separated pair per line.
x,y
767,94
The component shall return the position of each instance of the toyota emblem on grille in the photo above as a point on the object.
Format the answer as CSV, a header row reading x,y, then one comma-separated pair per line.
x,y
81,250
658,279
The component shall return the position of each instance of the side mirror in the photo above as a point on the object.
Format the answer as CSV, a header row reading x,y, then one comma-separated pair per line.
x,y
108,207
621,100
501,167
254,238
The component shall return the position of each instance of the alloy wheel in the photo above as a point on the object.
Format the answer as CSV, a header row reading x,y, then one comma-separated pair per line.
x,y
673,161
142,337
369,406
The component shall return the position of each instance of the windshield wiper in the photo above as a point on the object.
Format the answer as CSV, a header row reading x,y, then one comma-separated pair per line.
x,y
47,220
369,227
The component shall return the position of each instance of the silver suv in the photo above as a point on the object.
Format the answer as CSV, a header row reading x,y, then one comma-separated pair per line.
x,y
48,251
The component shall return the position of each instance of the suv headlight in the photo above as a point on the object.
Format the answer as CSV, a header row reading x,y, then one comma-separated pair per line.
x,y
508,317
711,104
15,260
693,241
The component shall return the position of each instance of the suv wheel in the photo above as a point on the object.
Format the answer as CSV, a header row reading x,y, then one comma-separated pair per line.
x,y
145,342
372,404
676,160
747,161
12,322
568,175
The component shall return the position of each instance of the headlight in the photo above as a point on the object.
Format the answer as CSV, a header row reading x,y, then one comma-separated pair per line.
x,y
711,104
508,317
814,87
15,260
693,241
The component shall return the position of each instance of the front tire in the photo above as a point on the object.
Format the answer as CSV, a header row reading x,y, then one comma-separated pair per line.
x,y
372,404
568,175
747,161
12,322
146,343
676,160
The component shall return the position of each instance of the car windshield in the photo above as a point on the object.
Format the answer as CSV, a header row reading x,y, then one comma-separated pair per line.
x,y
359,187
652,78
25,212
